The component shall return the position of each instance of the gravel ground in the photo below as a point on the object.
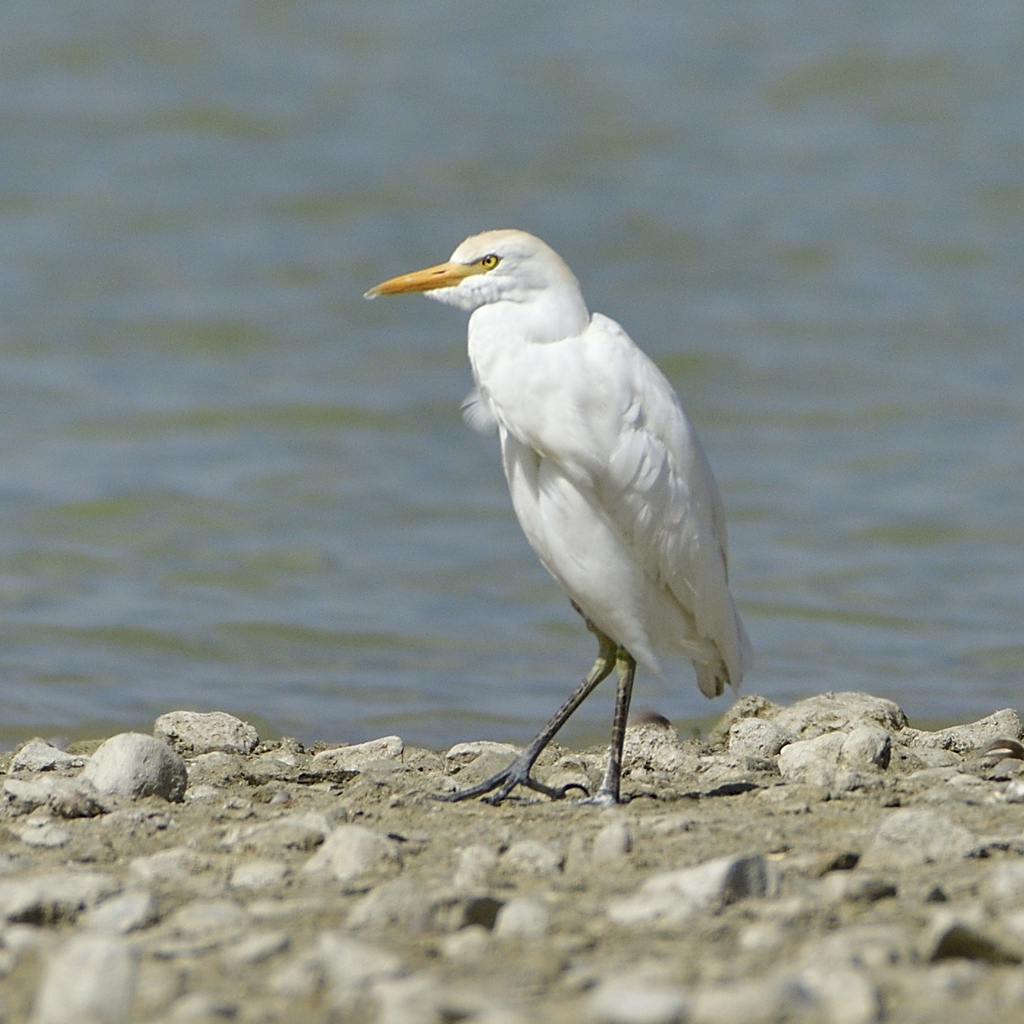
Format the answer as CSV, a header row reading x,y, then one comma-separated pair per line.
x,y
823,862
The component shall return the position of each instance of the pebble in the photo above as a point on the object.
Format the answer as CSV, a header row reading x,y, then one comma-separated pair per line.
x,y
53,897
350,851
259,874
522,918
357,756
531,857
635,998
122,913
612,843
39,756
476,864
755,737
196,732
89,980
134,765
669,899
913,836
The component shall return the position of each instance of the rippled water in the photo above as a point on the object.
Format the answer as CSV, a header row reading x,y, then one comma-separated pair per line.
x,y
227,482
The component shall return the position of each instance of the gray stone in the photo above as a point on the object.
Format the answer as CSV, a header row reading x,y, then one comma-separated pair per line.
x,y
175,864
846,996
122,913
208,921
531,857
966,739
755,737
651,747
671,898
613,842
351,851
866,746
305,831
635,998
256,948
259,874
962,934
812,761
53,897
398,901
195,732
839,712
39,756
349,963
358,755
43,831
133,765
90,980
912,836
522,918
68,798
476,863
763,1000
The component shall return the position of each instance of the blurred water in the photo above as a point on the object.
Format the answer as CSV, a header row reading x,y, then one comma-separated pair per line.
x,y
227,482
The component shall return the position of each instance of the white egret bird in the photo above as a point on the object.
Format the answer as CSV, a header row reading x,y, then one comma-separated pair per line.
x,y
607,478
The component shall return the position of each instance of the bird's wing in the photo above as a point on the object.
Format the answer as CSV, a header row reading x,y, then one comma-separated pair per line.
x,y
614,425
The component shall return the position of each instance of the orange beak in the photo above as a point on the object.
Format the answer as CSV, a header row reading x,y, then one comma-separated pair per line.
x,y
441,276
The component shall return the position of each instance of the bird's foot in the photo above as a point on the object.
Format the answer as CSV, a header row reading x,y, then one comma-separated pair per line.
x,y
602,798
516,774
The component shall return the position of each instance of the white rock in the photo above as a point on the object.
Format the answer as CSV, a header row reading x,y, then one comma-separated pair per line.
x,y
522,918
965,739
175,864
655,748
466,753
358,755
259,874
474,869
812,761
256,948
671,898
912,836
612,843
1006,881
763,1000
304,831
637,999
399,901
54,897
352,850
847,996
123,913
467,944
39,756
756,737
69,798
839,712
867,746
90,980
208,920
534,858
349,963
43,831
134,765
195,732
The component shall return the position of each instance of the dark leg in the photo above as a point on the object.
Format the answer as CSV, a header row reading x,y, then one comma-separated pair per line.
x,y
518,772
608,794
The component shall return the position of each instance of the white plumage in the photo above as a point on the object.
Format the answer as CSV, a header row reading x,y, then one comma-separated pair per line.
x,y
606,474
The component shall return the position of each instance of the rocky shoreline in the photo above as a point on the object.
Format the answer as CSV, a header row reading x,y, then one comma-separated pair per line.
x,y
823,862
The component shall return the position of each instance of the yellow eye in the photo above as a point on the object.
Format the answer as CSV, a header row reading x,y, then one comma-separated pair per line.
x,y
489,262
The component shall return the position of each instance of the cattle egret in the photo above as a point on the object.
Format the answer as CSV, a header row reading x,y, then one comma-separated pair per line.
x,y
607,478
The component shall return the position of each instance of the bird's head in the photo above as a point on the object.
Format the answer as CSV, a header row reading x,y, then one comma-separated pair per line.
x,y
495,266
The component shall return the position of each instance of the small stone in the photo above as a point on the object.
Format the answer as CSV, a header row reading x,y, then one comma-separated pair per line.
x,y
122,913
399,901
534,858
522,918
43,832
839,712
206,921
613,842
467,944
812,761
259,874
911,836
349,963
762,1001
966,739
194,732
637,999
255,949
352,850
133,765
52,898
175,864
655,747
39,756
90,980
755,737
672,898
847,996
305,831
358,755
474,870
867,746
955,934
68,798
